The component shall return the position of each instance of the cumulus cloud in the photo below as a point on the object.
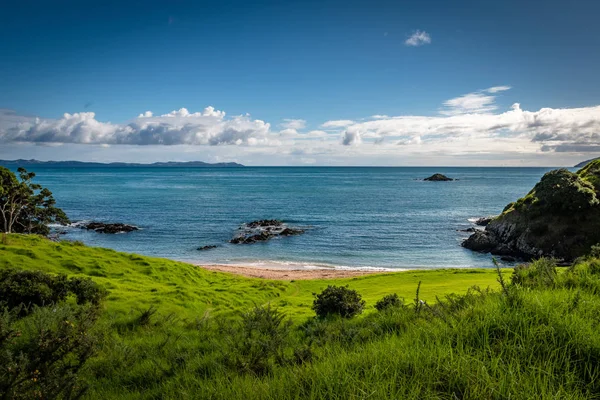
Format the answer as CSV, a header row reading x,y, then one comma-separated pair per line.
x,y
293,124
418,38
208,127
471,125
554,129
340,123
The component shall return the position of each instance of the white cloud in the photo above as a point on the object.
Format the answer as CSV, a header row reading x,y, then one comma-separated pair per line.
x,y
497,89
418,38
293,124
469,127
208,127
469,103
340,123
476,102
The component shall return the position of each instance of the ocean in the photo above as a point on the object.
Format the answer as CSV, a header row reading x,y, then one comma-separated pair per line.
x,y
356,217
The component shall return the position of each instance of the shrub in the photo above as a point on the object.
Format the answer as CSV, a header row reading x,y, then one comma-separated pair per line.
x,y
540,273
389,301
42,349
41,354
563,191
30,288
338,300
86,290
259,340
595,251
25,289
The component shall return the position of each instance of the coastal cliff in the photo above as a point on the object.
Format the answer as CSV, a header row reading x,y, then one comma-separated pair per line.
x,y
559,217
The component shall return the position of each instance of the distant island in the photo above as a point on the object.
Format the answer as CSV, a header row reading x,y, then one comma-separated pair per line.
x,y
584,163
70,164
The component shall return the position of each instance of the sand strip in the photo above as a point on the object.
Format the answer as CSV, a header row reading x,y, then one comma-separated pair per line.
x,y
289,274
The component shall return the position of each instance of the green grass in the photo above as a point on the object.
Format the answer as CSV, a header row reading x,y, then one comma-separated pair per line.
x,y
137,282
536,337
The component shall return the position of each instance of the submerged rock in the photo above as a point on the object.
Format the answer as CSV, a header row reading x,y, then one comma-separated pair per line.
x,y
438,178
263,230
207,247
102,227
559,218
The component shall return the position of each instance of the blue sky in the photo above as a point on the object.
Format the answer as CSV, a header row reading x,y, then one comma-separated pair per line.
x,y
314,61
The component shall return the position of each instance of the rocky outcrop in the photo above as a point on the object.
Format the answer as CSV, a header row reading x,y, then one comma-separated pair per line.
x,y
438,178
263,230
102,227
559,218
484,221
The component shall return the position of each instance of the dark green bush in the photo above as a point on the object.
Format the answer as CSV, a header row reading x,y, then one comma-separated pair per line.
x,y
25,289
86,290
389,301
29,288
338,300
42,354
565,192
43,348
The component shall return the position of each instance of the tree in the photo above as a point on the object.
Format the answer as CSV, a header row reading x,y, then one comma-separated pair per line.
x,y
26,207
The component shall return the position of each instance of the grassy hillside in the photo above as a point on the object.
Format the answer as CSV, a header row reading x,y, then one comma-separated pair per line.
x,y
138,282
536,335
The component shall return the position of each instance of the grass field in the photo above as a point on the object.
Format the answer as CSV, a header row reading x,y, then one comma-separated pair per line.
x,y
138,282
170,330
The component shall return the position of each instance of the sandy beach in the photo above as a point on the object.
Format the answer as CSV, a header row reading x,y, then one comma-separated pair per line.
x,y
290,274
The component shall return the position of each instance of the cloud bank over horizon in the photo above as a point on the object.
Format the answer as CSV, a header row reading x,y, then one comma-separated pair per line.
x,y
470,126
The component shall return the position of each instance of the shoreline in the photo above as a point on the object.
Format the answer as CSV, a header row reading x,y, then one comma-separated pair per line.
x,y
285,274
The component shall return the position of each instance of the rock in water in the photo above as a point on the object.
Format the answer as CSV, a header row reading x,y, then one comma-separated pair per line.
x,y
207,247
559,218
438,178
102,227
263,230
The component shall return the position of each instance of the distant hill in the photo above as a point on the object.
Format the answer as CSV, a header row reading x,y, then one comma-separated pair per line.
x,y
584,163
71,164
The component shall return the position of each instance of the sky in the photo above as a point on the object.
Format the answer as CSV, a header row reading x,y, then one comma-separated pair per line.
x,y
473,83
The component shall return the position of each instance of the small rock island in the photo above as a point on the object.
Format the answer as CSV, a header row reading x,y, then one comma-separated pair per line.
x,y
438,178
558,218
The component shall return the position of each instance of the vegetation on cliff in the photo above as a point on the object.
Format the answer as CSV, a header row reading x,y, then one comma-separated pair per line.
x,y
559,218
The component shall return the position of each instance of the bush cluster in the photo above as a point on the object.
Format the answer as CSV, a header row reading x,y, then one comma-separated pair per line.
x,y
389,301
42,348
338,300
25,289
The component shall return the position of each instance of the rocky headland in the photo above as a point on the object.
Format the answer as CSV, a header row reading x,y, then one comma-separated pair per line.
x,y
559,218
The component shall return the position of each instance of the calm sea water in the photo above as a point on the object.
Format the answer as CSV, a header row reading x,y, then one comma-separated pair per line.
x,y
359,217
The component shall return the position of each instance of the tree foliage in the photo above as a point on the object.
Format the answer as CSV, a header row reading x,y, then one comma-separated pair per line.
x,y
26,207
